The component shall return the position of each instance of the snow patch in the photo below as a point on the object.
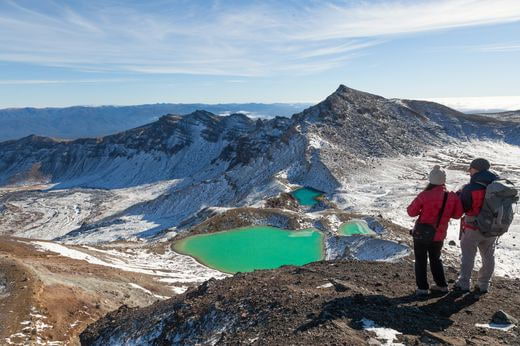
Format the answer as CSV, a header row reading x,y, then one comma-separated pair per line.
x,y
147,291
387,335
364,248
325,285
504,327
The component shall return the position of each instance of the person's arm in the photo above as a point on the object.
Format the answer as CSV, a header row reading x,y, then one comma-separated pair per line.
x,y
466,198
415,207
457,209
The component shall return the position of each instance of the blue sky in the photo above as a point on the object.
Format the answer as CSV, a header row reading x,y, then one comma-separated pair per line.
x,y
93,52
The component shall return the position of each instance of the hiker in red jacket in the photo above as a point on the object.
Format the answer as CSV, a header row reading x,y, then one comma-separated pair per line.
x,y
472,196
427,205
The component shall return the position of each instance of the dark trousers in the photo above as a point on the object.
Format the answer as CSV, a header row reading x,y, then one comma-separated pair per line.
x,y
422,253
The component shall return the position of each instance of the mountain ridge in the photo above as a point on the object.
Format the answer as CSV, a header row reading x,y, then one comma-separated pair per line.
x,y
224,161
83,121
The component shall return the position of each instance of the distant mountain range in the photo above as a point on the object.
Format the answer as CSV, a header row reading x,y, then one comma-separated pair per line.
x,y
79,121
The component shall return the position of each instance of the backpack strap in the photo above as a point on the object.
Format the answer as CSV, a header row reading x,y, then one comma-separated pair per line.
x,y
442,209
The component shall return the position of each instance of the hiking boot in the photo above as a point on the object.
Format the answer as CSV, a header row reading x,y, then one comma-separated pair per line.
x,y
478,290
457,288
439,289
421,293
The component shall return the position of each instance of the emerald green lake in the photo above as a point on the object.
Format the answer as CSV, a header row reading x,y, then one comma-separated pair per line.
x,y
355,227
251,248
306,196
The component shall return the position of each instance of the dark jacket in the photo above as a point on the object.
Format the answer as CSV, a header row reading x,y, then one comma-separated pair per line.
x,y
428,206
473,194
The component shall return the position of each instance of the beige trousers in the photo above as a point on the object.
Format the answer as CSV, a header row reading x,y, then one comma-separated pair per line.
x,y
470,241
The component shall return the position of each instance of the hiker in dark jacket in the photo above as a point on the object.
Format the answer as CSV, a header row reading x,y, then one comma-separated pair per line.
x,y
427,205
472,196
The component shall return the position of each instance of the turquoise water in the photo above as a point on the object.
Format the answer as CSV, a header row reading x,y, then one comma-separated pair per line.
x,y
306,196
355,227
251,248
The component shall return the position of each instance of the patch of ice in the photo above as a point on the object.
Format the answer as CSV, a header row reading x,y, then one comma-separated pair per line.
x,y
387,335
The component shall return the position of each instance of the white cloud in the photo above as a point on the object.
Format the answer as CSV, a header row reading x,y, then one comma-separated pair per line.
x,y
379,18
483,103
253,38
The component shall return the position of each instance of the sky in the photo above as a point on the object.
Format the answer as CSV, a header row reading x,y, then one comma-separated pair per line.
x,y
95,52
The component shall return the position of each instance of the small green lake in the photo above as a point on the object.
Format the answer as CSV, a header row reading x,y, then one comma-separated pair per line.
x,y
251,248
354,227
306,196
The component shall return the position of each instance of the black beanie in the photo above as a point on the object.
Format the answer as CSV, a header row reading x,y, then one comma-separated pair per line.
x,y
480,164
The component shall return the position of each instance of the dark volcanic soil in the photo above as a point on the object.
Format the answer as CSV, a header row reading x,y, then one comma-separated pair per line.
x,y
288,306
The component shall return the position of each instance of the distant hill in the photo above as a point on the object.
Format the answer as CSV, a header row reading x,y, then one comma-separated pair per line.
x,y
505,116
76,122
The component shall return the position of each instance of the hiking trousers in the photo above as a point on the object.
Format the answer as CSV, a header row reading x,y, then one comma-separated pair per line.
x,y
470,241
432,251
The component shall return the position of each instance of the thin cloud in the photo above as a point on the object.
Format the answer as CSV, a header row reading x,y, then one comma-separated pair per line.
x,y
255,38
46,81
500,47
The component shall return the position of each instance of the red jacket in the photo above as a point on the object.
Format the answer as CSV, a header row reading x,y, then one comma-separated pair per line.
x,y
428,206
472,196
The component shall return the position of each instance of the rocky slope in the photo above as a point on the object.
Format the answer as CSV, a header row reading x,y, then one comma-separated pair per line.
x,y
47,299
504,116
321,303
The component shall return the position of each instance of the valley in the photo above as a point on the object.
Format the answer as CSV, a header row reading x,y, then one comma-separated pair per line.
x,y
98,220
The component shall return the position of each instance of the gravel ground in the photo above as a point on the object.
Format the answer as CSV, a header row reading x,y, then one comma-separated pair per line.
x,y
300,306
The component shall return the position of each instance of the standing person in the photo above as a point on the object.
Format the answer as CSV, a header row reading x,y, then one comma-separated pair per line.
x,y
472,196
435,206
